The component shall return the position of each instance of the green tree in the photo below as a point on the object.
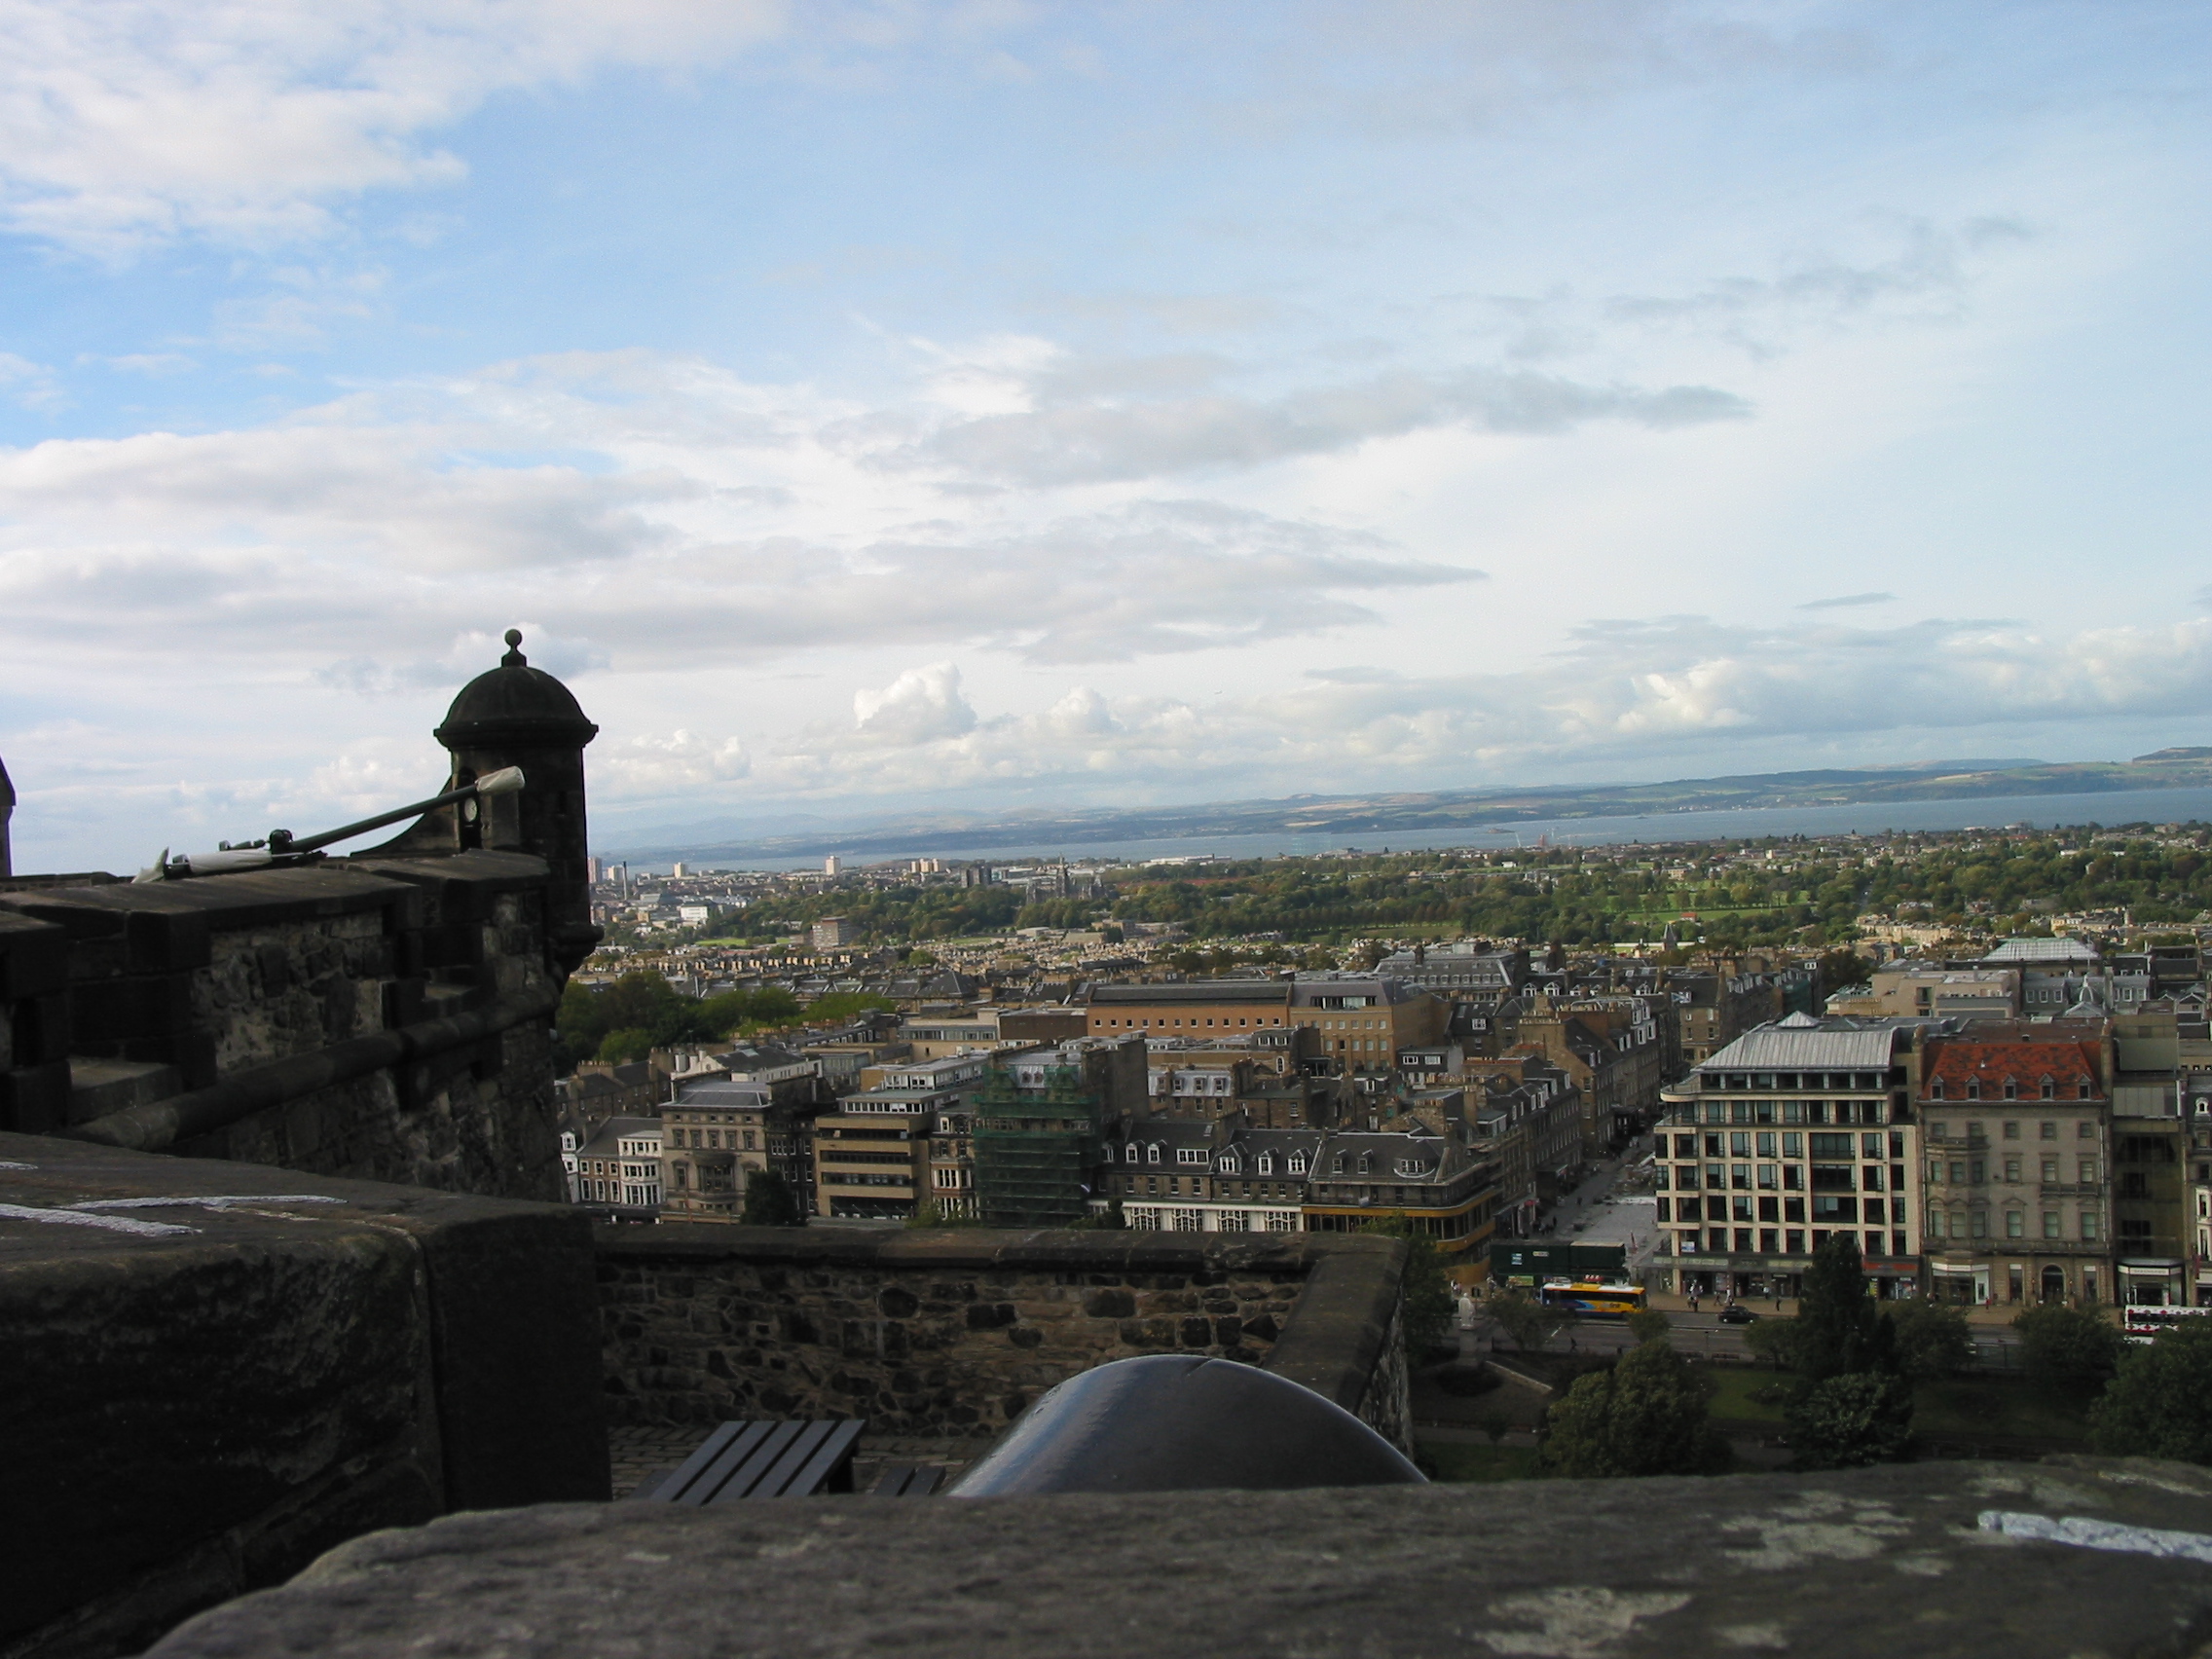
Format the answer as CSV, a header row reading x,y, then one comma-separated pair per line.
x,y
769,1200
1425,1301
1522,1317
1774,1341
927,1213
1649,1325
1931,1340
620,1048
848,1005
1840,1327
2159,1402
2067,1351
1643,1416
1849,1420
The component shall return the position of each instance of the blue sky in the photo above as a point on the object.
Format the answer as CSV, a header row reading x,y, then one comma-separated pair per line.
x,y
988,405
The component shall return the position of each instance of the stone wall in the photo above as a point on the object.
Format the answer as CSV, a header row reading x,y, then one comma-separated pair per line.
x,y
215,1371
956,1332
378,1018
1930,1561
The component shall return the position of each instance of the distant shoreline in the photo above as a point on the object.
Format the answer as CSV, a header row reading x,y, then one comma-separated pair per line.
x,y
1585,821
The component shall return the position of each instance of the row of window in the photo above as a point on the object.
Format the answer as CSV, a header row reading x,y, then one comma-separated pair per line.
x,y
2045,1090
1741,1143
1828,1208
1148,1023
1198,1156
1783,1241
1147,1219
2046,1128
645,1196
1267,1189
1787,1112
714,1139
1794,1080
1782,1177
1972,1172
1974,1224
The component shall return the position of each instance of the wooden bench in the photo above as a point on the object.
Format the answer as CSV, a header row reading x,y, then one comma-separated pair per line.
x,y
742,1460
906,1480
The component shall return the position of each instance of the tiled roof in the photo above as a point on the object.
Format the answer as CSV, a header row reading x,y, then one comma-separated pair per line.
x,y
1956,1063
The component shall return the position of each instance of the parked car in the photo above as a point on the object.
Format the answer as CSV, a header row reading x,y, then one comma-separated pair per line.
x,y
1736,1313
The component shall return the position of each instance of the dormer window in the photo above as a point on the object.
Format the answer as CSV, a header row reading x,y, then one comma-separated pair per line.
x,y
1267,1163
1151,1153
1227,1165
1296,1164
1974,1089
1131,1156
1338,1168
2082,1089
2049,1089
2012,1089
1935,1089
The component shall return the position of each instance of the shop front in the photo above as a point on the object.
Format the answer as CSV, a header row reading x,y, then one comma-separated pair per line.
x,y
1893,1279
2153,1281
1962,1284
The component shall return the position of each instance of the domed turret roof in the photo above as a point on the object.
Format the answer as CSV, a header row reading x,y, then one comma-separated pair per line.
x,y
515,703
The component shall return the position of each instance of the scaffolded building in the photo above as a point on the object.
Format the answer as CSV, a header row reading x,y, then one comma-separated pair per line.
x,y
1038,1150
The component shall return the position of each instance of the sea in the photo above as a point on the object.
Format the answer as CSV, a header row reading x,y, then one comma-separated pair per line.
x,y
1987,812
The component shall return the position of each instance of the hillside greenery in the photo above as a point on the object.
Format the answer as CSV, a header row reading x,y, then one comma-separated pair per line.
x,y
1731,893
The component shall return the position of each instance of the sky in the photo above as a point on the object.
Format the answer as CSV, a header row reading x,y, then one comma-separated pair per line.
x,y
997,404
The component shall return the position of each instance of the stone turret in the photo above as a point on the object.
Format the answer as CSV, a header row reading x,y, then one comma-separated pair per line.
x,y
520,716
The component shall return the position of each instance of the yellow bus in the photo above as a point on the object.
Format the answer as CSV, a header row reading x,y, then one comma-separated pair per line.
x,y
1588,1298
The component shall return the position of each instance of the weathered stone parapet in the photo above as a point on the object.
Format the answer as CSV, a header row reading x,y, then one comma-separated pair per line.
x,y
956,1332
1882,1564
385,1018
211,1372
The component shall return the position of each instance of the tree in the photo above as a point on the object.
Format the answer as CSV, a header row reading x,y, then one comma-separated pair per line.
x,y
1425,1304
848,1005
769,1200
1774,1341
2067,1351
1840,1327
1649,1325
1521,1318
620,1048
1850,1421
1644,1416
2159,1404
1841,967
1932,1341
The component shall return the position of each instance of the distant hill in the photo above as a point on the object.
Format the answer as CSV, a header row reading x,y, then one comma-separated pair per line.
x,y
1410,815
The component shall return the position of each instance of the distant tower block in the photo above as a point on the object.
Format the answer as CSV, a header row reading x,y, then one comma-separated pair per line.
x,y
832,865
520,716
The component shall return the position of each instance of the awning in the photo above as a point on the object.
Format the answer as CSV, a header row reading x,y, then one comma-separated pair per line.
x,y
2143,1266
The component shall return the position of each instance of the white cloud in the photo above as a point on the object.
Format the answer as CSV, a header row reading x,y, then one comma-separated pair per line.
x,y
1627,698
1095,440
662,513
922,705
123,122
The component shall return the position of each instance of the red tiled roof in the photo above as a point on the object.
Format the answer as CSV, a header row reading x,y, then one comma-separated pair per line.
x,y
1994,1064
